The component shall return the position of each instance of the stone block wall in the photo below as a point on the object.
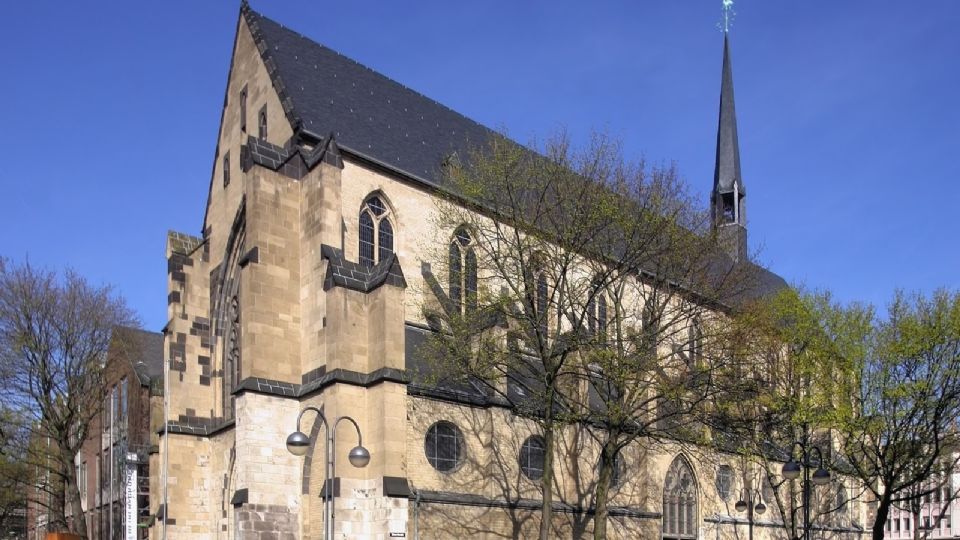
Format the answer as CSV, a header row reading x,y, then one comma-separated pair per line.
x,y
265,522
192,502
265,468
270,296
187,341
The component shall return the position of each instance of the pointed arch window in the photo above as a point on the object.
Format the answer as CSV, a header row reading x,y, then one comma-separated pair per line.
x,y
680,520
532,456
262,123
536,295
376,232
463,271
541,302
226,169
650,325
728,208
695,342
243,109
597,311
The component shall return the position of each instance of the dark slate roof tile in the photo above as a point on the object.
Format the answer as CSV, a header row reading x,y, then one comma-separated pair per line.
x,y
329,92
143,349
354,276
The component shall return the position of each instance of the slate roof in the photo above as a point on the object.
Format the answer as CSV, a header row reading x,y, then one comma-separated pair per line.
x,y
369,114
358,277
726,172
143,349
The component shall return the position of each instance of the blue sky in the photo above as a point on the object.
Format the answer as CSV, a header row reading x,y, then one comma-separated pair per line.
x,y
849,117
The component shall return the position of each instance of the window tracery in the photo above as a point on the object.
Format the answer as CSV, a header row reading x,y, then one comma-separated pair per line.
x,y
680,502
376,232
463,271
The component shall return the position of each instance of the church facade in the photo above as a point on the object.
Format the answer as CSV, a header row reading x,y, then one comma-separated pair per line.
x,y
303,290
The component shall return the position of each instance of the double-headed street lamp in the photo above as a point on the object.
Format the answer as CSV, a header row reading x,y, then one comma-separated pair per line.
x,y
751,502
820,477
298,443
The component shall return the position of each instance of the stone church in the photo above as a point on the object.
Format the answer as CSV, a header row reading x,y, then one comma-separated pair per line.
x,y
301,291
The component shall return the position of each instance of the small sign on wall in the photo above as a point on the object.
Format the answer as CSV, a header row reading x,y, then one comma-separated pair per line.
x,y
398,535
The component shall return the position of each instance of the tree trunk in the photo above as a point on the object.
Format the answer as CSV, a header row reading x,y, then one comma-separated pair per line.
x,y
57,509
883,512
546,511
71,491
602,493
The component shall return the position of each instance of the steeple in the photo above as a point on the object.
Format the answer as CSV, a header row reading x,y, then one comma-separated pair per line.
x,y
728,199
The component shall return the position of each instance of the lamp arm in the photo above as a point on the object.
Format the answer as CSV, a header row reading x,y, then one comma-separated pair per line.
x,y
355,425
316,410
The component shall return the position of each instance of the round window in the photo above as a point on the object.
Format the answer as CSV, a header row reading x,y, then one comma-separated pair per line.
x,y
444,446
531,457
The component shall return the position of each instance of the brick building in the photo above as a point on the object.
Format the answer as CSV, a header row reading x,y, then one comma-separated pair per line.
x,y
302,290
121,440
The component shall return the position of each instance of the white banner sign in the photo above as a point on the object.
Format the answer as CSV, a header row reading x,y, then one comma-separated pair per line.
x,y
131,498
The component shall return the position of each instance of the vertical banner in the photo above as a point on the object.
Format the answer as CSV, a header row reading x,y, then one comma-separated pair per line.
x,y
130,498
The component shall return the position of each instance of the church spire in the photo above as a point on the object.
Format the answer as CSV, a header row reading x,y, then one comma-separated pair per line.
x,y
728,199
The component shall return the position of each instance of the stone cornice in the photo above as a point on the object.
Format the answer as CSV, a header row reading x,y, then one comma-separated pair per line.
x,y
467,499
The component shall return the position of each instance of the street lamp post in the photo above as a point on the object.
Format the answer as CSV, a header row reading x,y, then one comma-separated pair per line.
x,y
298,443
752,502
792,470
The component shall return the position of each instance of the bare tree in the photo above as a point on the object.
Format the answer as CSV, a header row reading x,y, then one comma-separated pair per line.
x,y
553,261
653,361
55,330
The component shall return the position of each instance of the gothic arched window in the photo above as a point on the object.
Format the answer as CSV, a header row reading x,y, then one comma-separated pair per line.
x,y
463,271
540,310
695,342
724,481
597,311
226,169
262,124
680,502
243,109
650,324
376,232
536,295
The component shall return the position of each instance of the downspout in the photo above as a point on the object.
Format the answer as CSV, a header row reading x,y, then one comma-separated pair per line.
x,y
113,464
416,514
